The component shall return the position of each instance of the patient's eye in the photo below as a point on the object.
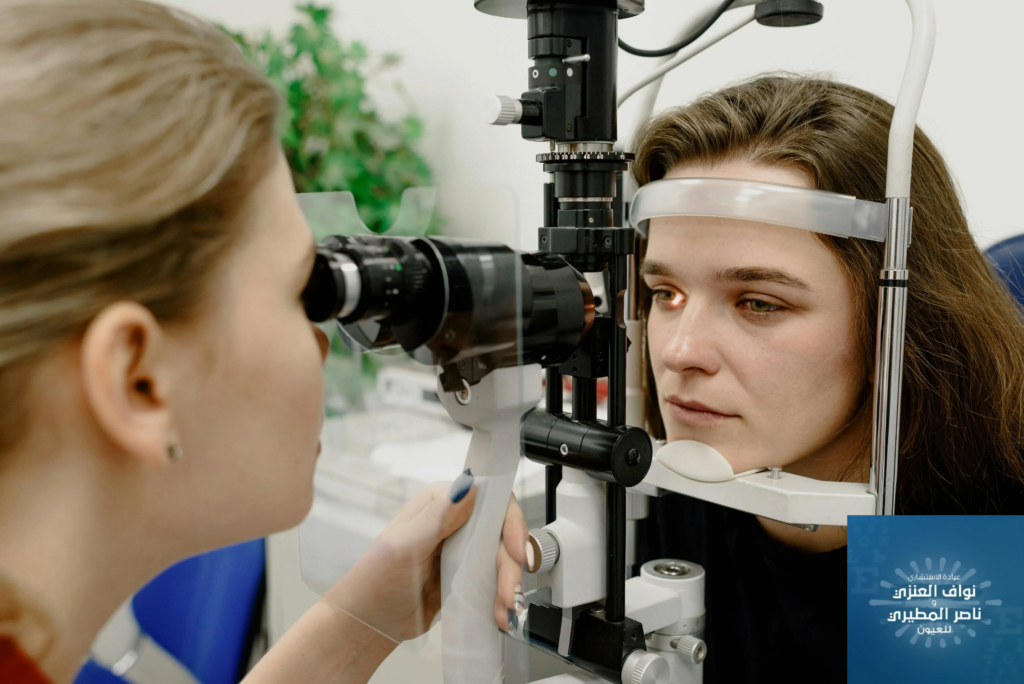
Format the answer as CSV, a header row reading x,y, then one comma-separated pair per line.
x,y
759,308
666,298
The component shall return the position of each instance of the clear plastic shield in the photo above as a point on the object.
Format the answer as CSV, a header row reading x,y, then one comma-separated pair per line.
x,y
425,392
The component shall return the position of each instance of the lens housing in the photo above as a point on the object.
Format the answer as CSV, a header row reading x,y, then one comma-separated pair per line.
x,y
458,299
334,287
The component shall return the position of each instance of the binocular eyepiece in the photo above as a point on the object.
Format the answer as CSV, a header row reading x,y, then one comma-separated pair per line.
x,y
474,305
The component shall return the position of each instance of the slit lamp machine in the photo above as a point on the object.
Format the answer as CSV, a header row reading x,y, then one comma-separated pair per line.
x,y
492,320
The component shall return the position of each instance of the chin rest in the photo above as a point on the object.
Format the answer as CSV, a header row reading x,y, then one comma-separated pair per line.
x,y
698,461
697,470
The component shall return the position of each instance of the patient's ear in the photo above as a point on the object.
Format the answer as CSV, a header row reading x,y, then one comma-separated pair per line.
x,y
126,377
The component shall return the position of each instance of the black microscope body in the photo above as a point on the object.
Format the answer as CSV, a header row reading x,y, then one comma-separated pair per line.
x,y
571,102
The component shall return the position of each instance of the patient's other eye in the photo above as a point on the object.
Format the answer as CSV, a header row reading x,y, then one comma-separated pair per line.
x,y
759,308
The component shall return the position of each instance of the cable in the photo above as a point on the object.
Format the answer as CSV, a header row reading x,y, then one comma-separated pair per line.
x,y
672,49
650,92
742,18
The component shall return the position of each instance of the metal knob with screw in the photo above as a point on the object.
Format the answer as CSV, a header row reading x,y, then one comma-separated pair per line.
x,y
464,395
543,551
642,667
502,111
692,648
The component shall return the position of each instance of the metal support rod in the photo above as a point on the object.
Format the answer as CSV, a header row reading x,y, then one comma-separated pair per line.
x,y
615,578
615,494
584,398
632,299
892,317
617,361
552,476
552,473
553,389
553,396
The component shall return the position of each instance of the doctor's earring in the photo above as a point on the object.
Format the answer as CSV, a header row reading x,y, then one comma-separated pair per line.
x,y
174,452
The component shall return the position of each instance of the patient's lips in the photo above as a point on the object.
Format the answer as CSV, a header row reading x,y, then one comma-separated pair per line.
x,y
691,412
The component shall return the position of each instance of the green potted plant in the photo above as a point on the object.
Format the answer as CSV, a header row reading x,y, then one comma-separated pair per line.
x,y
335,139
333,136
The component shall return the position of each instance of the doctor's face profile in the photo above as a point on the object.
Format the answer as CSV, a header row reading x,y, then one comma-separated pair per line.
x,y
752,337
248,407
235,389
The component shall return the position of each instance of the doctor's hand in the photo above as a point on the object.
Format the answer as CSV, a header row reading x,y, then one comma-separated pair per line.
x,y
395,587
509,603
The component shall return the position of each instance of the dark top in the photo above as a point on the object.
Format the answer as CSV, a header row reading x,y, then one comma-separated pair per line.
x,y
771,610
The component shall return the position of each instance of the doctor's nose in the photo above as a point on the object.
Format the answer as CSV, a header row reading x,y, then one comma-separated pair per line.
x,y
323,342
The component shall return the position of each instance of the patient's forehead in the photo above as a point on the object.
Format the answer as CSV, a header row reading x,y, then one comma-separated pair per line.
x,y
692,241
743,170
698,249
734,242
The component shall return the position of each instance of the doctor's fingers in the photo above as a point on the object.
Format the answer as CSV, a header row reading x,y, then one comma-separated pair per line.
x,y
510,587
421,500
514,531
427,520
501,614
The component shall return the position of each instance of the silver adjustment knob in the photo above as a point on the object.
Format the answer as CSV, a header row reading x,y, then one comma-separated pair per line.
x,y
543,551
692,648
502,111
642,667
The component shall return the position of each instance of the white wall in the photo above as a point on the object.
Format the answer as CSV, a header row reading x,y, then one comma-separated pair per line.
x,y
455,55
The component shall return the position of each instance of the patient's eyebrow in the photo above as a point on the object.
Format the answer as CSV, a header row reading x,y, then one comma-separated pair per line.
x,y
743,274
655,268
750,274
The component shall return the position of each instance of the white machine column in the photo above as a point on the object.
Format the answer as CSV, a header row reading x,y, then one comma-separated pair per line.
x,y
578,576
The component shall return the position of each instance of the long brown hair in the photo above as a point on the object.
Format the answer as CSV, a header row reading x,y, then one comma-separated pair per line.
x,y
962,417
130,132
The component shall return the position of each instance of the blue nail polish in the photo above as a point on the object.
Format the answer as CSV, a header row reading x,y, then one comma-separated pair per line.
x,y
461,486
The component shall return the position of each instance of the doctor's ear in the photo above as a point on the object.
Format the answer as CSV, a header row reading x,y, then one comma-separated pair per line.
x,y
126,377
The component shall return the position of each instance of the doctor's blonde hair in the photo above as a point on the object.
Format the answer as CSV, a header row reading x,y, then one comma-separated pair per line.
x,y
962,417
129,134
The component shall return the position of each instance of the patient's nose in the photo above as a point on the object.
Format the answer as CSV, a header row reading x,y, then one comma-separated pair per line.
x,y
691,345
